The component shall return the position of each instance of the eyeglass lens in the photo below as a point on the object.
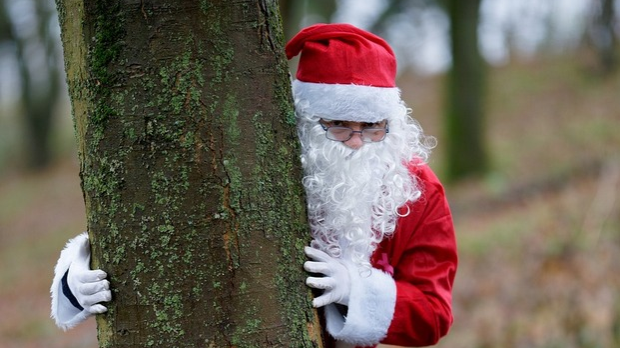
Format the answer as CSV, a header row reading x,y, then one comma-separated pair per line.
x,y
344,133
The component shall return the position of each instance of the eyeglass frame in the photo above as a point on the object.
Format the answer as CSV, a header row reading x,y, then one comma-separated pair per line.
x,y
361,132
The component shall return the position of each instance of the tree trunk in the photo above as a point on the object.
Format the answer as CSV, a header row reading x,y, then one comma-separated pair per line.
x,y
297,13
466,153
39,81
605,35
190,171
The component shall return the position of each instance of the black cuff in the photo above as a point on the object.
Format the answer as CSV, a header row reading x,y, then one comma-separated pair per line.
x,y
344,310
68,294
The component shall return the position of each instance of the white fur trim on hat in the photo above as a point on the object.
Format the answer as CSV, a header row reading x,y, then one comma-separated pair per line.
x,y
64,313
371,309
346,102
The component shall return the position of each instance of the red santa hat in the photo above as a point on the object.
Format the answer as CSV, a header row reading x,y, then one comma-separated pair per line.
x,y
344,73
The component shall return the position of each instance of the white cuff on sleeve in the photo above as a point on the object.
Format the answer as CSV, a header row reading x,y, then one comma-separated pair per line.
x,y
370,312
64,313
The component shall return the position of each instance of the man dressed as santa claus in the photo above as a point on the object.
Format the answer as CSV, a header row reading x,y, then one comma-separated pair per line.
x,y
383,251
383,239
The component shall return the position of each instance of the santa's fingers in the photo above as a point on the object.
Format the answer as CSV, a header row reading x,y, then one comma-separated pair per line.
x,y
97,309
91,300
93,288
324,283
83,250
323,300
317,267
88,276
316,254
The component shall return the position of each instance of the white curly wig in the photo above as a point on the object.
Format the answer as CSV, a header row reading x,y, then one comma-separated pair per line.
x,y
354,196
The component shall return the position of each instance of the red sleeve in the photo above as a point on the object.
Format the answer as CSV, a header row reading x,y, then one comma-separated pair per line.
x,y
423,255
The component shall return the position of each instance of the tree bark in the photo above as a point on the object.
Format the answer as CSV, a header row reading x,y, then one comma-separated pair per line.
x,y
190,171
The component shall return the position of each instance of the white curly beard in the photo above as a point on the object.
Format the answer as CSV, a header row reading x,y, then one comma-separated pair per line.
x,y
353,196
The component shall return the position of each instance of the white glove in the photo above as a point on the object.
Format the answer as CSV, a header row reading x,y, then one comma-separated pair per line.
x,y
336,282
88,286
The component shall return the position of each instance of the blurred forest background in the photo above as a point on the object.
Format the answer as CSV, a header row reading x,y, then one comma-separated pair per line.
x,y
522,96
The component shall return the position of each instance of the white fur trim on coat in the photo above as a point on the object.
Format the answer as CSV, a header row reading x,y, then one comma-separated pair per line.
x,y
371,309
347,102
63,312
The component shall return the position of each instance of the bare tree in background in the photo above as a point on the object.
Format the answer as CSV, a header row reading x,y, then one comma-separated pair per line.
x,y
35,47
603,34
190,171
464,103
6,31
297,13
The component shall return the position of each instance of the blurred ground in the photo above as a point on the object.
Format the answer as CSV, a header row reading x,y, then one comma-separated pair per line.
x,y
539,237
38,213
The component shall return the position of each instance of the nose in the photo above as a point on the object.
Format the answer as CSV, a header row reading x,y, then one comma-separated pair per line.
x,y
355,142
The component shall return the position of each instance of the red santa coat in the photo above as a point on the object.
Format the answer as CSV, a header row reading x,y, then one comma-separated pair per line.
x,y
413,272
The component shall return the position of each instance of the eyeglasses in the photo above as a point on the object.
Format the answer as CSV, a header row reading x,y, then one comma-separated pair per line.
x,y
369,135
